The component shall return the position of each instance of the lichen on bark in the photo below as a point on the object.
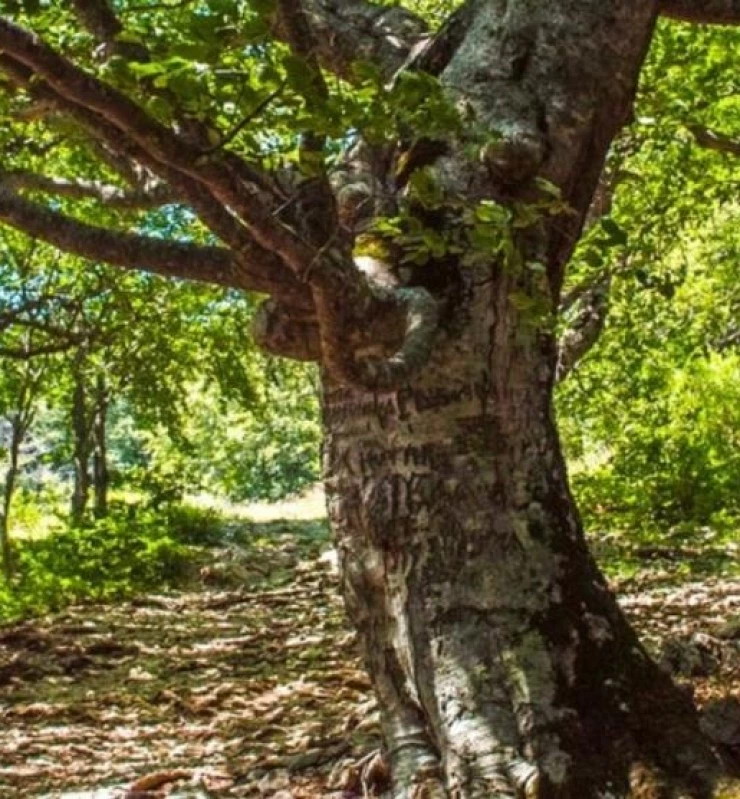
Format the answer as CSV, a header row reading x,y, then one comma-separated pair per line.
x,y
502,662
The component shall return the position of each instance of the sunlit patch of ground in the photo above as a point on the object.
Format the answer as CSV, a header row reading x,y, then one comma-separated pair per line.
x,y
310,504
249,684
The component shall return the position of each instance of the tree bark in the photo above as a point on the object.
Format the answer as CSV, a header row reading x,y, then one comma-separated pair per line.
x,y
17,433
502,664
501,661
101,477
81,448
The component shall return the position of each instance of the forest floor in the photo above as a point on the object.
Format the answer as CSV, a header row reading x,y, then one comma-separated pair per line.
x,y
249,685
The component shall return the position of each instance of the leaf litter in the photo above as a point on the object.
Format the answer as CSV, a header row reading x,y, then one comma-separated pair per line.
x,y
249,683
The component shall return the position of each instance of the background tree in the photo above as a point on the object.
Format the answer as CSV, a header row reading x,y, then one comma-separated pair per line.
x,y
410,201
21,384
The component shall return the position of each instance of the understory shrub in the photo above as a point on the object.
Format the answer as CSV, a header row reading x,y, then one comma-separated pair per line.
x,y
102,560
676,456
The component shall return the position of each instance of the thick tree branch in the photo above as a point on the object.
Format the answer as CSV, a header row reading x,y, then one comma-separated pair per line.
x,y
98,17
718,12
712,140
365,334
111,196
129,250
348,311
159,141
269,269
345,302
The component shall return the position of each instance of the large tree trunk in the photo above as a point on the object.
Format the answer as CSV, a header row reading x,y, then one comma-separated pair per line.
x,y
502,664
501,661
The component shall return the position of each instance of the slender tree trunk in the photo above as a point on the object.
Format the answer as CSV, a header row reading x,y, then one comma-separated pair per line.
x,y
81,453
502,663
100,450
17,433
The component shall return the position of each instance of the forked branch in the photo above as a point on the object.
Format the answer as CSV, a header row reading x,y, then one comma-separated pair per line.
x,y
220,188
159,141
268,268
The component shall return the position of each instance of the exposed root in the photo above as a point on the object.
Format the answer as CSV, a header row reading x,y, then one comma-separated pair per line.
x,y
429,785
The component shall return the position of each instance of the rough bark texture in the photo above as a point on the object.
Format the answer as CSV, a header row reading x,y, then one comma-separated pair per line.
x,y
500,659
502,663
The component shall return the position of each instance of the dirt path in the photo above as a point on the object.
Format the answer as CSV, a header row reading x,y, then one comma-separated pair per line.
x,y
251,691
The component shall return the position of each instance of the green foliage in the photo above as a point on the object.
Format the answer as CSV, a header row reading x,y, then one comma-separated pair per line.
x,y
196,526
265,451
651,419
280,457
108,559
432,225
676,454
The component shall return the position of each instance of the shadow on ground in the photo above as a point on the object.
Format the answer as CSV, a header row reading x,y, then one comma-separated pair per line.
x,y
248,683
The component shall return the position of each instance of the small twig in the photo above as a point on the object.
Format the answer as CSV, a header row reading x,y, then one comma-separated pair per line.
x,y
239,127
712,140
156,7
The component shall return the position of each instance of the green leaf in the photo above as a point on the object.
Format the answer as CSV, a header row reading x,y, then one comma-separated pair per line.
x,y
617,235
